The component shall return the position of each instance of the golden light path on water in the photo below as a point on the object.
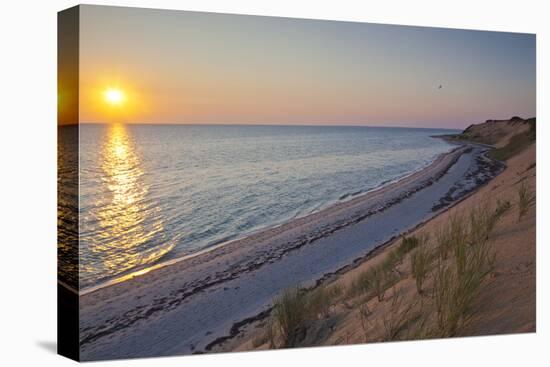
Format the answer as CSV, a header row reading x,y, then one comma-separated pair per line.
x,y
131,226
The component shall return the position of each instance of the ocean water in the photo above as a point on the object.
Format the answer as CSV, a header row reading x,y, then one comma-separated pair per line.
x,y
151,193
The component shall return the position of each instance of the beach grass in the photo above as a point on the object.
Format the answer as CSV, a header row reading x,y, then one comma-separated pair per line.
x,y
397,316
408,244
457,282
525,199
295,308
502,207
378,279
420,263
290,314
320,300
364,319
371,282
481,223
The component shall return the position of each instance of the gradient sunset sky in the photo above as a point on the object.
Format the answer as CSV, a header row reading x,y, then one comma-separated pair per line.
x,y
205,68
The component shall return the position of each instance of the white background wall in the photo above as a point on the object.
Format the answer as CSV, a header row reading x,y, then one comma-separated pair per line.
x,y
28,182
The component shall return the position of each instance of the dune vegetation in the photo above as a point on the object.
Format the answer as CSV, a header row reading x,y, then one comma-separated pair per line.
x,y
448,270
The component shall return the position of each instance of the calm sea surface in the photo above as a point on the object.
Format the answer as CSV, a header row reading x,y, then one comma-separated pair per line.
x,y
152,193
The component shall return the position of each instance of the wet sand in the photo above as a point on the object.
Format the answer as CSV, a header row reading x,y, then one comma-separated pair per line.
x,y
190,305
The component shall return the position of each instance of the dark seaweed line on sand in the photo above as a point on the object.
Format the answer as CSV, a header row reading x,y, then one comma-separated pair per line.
x,y
328,277
179,296
487,169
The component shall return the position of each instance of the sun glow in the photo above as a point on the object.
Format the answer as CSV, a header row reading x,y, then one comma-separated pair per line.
x,y
114,96
114,99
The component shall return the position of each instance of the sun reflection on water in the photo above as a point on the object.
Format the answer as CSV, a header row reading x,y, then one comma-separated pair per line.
x,y
131,230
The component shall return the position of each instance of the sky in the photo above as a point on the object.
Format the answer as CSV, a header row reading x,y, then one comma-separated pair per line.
x,y
207,68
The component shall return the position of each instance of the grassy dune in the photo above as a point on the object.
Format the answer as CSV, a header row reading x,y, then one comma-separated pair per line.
x,y
510,137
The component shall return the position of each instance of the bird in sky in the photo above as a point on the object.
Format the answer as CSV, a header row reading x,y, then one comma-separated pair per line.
x,y
440,86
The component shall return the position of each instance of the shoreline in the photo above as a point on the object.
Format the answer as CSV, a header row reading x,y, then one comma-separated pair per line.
x,y
342,201
309,246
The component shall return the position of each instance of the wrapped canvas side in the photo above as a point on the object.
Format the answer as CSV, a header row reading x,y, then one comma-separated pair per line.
x,y
67,181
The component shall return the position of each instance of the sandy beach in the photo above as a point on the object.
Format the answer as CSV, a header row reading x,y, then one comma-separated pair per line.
x,y
195,303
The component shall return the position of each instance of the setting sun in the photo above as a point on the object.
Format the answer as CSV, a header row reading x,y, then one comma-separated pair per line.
x,y
113,100
114,96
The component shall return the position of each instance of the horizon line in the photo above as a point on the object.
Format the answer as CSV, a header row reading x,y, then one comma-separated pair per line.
x,y
262,124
